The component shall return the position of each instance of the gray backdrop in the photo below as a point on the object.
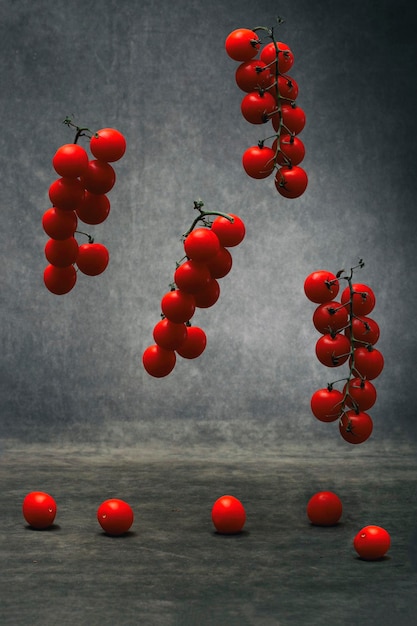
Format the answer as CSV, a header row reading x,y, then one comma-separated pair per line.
x,y
157,71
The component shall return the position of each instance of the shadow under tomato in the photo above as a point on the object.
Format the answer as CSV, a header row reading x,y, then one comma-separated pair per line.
x,y
381,558
126,535
51,528
241,533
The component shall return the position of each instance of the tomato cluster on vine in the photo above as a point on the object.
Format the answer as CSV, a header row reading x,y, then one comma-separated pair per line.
x,y
348,335
79,194
270,96
196,285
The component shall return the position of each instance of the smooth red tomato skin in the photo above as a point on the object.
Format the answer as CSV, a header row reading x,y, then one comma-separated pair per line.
x,y
287,87
229,233
292,150
321,286
257,107
291,181
292,117
169,335
70,160
324,509
178,306
228,515
221,264
59,280
240,44
372,542
365,330
326,404
61,252
207,296
361,305
355,427
191,276
361,392
285,56
93,258
195,343
99,177
252,75
59,224
115,516
369,362
201,244
39,509
333,351
330,316
158,362
94,208
258,162
108,144
66,193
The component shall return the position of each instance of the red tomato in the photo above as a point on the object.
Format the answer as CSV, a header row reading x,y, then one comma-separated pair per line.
x,y
92,259
365,330
61,252
330,316
285,56
99,177
291,181
178,306
158,362
94,208
207,296
363,300
169,335
253,75
257,107
59,224
326,404
355,427
369,362
321,286
66,193
228,515
221,264
291,150
324,508
292,118
333,351
361,394
287,87
70,160
229,233
108,144
242,44
59,280
372,542
195,343
201,244
115,516
39,509
258,162
191,276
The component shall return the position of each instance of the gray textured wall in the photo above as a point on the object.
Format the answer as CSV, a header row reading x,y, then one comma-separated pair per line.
x,y
157,71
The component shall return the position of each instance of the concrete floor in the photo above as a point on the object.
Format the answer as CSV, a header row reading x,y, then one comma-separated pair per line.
x,y
172,569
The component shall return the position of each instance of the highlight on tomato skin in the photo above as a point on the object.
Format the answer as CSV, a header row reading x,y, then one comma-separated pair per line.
x,y
372,542
115,516
39,509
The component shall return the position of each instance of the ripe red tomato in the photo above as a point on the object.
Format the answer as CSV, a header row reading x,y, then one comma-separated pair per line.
x,y
253,75
99,177
195,343
207,296
94,208
59,280
363,300
70,160
221,264
291,150
333,351
108,144
158,362
258,162
369,362
39,509
201,244
178,306
291,181
169,335
361,394
285,56
229,233
292,116
287,87
330,316
242,44
257,107
59,224
355,427
324,508
321,286
115,516
92,259
326,404
372,542
61,252
365,330
66,193
191,276
228,515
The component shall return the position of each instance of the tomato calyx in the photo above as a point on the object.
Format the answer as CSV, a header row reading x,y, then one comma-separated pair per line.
x,y
80,131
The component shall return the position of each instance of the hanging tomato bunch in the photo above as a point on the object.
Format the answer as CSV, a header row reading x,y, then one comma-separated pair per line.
x,y
270,96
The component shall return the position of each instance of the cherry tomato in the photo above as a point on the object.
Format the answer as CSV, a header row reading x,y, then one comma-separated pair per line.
x,y
321,286
70,160
287,87
61,252
365,330
355,427
191,276
369,362
324,508
257,107
258,162
39,509
333,351
94,208
207,296
201,244
330,316
292,117
92,259
221,264
242,44
178,306
326,404
59,224
291,181
291,150
229,233
195,343
362,394
372,542
253,75
158,362
108,144
363,300
66,193
169,335
228,515
115,516
59,280
99,178
285,56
